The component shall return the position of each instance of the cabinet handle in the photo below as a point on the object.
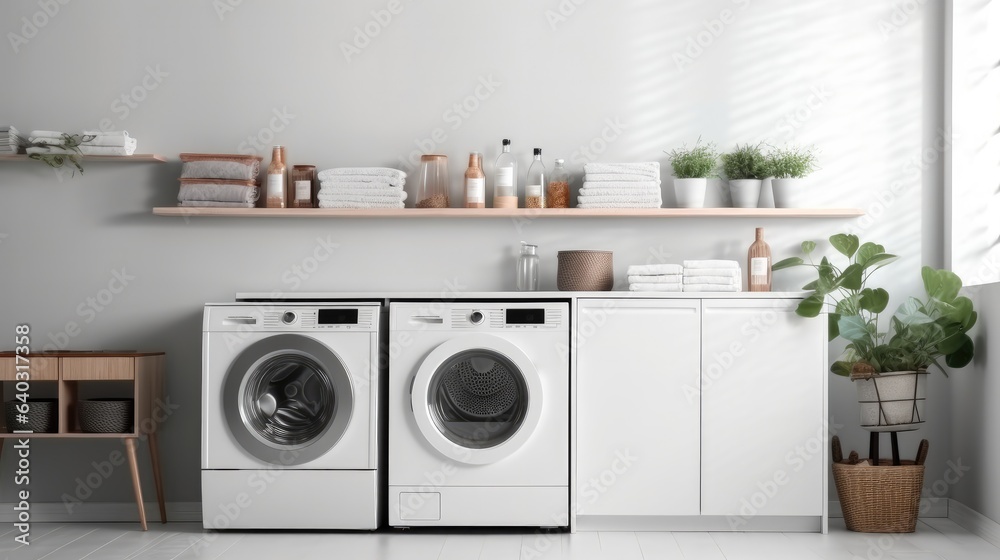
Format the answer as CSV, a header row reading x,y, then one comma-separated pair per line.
x,y
239,321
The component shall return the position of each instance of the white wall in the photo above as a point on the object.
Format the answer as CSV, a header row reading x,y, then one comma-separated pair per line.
x,y
856,79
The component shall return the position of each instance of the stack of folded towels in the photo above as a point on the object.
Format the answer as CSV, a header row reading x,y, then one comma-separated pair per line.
x,y
621,185
219,181
712,276
361,187
92,143
11,141
655,277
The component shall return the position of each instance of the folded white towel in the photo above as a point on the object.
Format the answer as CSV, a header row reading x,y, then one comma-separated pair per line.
x,y
653,287
655,279
712,288
109,150
217,193
119,138
620,205
641,199
371,185
361,195
711,264
730,280
214,204
646,169
345,204
367,171
615,177
373,182
727,272
624,186
45,134
653,269
51,150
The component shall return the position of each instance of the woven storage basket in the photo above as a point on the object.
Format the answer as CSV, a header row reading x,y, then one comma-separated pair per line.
x,y
106,416
585,271
883,499
43,415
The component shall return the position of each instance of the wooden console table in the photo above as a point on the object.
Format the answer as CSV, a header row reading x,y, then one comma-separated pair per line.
x,y
69,371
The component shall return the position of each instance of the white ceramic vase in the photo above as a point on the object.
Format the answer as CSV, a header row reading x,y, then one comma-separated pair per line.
x,y
787,192
690,193
745,192
892,401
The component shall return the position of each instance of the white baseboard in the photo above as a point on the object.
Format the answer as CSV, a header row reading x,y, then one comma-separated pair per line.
x,y
103,512
975,522
936,508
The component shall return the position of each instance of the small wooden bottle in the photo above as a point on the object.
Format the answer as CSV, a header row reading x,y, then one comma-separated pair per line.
x,y
759,265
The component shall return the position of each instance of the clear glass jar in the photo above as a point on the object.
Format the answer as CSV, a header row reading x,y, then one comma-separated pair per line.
x,y
527,268
432,184
557,195
302,184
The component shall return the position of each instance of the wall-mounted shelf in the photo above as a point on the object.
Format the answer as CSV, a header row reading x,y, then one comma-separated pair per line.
x,y
134,157
528,213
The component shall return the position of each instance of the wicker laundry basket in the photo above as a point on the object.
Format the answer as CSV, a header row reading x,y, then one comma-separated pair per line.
x,y
585,271
106,416
882,499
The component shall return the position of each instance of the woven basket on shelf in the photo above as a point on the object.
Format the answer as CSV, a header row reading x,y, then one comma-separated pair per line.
x,y
585,271
42,416
106,416
882,499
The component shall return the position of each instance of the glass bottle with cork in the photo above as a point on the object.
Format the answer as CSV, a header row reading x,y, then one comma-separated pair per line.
x,y
534,188
276,187
505,179
759,264
475,182
557,195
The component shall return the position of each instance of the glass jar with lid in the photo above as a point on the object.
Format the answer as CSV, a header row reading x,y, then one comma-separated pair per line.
x,y
557,195
432,183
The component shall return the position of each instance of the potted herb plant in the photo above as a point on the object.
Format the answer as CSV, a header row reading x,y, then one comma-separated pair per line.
x,y
787,167
692,169
887,357
745,167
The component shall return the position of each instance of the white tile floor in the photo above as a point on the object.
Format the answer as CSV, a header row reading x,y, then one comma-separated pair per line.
x,y
935,539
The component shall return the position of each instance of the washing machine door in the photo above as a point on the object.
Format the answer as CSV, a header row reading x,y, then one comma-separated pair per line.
x,y
477,398
287,399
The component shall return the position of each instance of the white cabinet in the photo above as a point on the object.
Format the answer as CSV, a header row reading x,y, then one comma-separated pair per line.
x,y
763,416
699,414
638,374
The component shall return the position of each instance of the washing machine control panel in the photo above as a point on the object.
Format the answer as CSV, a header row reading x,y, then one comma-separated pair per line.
x,y
278,317
505,318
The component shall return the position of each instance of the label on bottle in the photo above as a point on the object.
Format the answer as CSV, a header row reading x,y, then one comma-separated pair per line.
x,y
533,190
275,185
505,181
303,190
758,266
475,190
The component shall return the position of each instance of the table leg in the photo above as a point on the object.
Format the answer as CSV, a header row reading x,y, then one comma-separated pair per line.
x,y
154,454
134,465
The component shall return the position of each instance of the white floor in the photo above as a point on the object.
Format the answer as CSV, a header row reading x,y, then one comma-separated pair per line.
x,y
935,539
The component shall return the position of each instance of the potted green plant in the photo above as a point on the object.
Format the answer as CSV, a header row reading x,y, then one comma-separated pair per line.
x,y
787,167
745,167
692,169
887,358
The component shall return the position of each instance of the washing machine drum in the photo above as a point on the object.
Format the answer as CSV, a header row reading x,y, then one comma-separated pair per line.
x,y
287,399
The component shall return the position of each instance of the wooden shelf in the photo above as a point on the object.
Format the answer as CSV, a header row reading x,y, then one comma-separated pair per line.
x,y
133,158
528,213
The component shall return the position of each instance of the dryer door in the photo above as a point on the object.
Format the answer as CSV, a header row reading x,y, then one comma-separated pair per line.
x,y
287,399
477,398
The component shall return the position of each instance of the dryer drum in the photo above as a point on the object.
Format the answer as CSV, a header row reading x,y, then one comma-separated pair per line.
x,y
480,387
288,400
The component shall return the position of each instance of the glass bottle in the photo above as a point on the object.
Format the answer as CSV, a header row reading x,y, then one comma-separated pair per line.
x,y
301,180
527,268
759,265
505,179
277,180
557,195
534,189
433,186
475,182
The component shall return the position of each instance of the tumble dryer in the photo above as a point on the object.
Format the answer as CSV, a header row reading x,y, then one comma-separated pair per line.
x,y
290,416
479,414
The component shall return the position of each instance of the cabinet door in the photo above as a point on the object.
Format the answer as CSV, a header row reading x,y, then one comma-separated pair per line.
x,y
763,409
637,407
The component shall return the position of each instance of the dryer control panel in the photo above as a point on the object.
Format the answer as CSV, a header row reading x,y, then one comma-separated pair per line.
x,y
480,316
284,317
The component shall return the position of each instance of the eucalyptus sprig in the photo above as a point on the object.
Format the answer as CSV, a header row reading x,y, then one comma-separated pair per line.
x,y
69,142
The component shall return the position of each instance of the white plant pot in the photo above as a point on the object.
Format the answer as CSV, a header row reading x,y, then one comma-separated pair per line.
x,y
892,401
745,192
690,193
787,193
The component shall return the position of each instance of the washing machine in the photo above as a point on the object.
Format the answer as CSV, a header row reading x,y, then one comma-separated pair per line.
x,y
290,416
478,414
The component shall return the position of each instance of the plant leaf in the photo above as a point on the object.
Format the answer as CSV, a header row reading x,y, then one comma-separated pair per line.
x,y
851,277
879,260
941,284
842,368
954,340
846,244
874,300
808,246
811,286
854,329
810,306
832,325
959,310
963,355
867,251
787,263
911,312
